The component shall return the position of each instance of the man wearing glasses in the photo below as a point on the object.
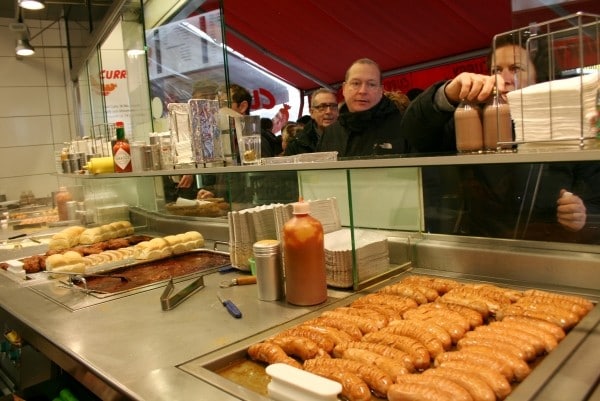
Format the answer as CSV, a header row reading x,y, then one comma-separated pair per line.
x,y
323,112
369,122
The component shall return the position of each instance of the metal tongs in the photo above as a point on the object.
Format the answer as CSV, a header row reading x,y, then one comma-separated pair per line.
x,y
168,302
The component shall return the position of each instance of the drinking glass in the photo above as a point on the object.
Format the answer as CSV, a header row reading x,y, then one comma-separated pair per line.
x,y
247,130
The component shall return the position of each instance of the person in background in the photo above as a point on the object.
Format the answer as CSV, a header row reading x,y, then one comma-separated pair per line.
x,y
323,112
270,144
528,201
288,133
369,122
241,104
413,93
400,99
305,119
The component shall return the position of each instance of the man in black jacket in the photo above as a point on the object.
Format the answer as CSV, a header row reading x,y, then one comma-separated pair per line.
x,y
369,123
323,112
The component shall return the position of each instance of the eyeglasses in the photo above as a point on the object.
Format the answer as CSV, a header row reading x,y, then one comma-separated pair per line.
x,y
324,106
369,85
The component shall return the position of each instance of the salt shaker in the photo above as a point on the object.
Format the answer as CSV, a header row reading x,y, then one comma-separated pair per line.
x,y
269,272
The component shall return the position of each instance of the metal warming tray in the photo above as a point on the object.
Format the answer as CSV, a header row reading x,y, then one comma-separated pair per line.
x,y
139,277
571,371
568,372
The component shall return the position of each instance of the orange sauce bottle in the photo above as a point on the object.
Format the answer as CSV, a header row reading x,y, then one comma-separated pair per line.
x,y
304,258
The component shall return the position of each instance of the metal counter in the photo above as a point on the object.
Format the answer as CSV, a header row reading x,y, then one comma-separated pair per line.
x,y
129,348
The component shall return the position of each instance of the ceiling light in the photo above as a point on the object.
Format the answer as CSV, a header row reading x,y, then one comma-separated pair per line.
x,y
32,4
24,48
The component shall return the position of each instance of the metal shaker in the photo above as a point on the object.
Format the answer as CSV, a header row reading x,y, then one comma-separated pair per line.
x,y
269,271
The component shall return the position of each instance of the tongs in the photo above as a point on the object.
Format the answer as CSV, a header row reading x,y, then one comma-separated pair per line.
x,y
168,301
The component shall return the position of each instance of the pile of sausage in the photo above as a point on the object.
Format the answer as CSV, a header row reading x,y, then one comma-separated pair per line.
x,y
428,338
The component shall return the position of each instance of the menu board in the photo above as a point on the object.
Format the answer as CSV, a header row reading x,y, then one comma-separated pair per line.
x,y
186,45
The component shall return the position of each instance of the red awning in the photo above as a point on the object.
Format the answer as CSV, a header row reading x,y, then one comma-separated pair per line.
x,y
309,43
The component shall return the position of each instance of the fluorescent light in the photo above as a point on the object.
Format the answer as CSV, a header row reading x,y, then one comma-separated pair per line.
x,y
24,48
32,4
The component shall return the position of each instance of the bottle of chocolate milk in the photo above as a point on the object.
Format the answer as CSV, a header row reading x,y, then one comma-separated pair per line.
x,y
497,125
468,128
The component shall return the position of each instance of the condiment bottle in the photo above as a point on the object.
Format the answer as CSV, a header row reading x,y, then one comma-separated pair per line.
x,y
468,128
121,151
304,258
60,200
497,125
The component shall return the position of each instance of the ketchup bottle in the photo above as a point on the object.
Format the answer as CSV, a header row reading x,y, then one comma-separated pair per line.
x,y
304,258
122,151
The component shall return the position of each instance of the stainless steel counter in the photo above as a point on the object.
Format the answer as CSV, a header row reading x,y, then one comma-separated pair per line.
x,y
134,346
130,348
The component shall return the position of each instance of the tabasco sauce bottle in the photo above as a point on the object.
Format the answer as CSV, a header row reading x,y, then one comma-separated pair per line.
x,y
121,151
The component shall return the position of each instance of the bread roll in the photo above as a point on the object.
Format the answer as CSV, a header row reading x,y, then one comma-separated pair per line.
x,y
194,240
67,238
69,262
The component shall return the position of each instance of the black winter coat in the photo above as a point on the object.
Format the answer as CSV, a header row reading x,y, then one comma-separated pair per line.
x,y
305,141
371,132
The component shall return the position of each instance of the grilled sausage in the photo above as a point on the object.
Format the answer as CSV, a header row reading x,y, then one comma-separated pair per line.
x,y
458,392
438,309
477,387
520,368
398,304
472,316
365,324
389,313
491,341
407,328
392,367
353,387
571,298
418,354
561,303
301,347
479,359
454,329
495,380
560,317
417,392
337,336
271,353
430,327
379,318
556,331
380,349
471,302
526,350
324,342
536,343
377,380
345,325
405,290
441,285
548,340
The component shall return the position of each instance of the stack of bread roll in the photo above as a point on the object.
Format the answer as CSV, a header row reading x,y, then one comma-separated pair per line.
x,y
112,255
65,239
105,232
76,235
159,248
68,262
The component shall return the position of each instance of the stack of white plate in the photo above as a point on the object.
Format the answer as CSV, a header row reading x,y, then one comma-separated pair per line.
x,y
555,110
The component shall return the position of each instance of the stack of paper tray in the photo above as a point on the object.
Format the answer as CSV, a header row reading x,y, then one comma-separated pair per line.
x,y
371,256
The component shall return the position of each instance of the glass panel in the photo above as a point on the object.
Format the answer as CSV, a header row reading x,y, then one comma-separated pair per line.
x,y
518,201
